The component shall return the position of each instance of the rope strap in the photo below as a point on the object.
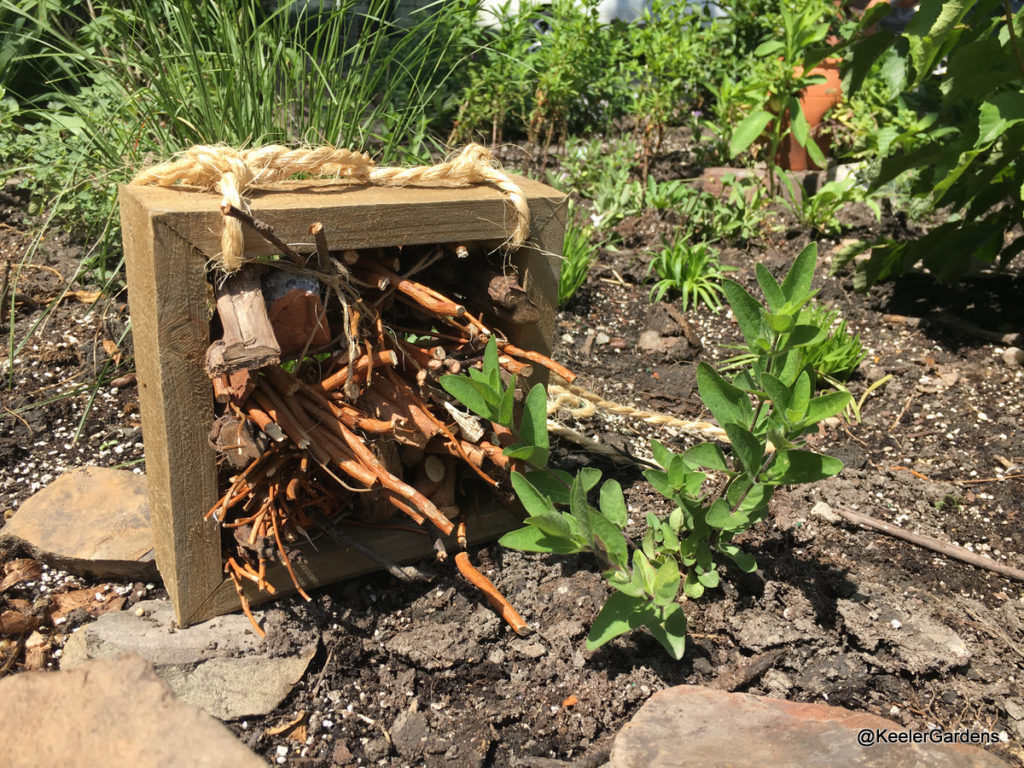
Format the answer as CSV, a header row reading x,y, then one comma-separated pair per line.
x,y
582,403
233,172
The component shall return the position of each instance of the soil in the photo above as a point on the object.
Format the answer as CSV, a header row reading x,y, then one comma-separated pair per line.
x,y
428,674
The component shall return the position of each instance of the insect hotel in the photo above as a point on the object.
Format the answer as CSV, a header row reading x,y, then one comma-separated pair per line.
x,y
289,340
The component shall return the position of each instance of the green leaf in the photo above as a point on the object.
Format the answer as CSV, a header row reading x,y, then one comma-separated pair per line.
x,y
997,115
642,566
746,309
782,322
746,447
625,583
507,405
805,334
589,478
532,499
796,286
798,123
619,615
534,429
492,371
659,481
815,154
708,456
792,467
531,454
727,404
720,516
770,287
669,628
744,561
777,392
612,503
769,47
662,455
825,406
927,32
552,483
749,499
748,131
475,395
709,579
800,396
692,586
666,582
532,539
607,537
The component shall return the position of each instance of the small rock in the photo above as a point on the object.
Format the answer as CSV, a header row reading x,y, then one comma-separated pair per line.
x,y
747,731
343,755
618,343
219,665
409,732
376,749
111,712
1013,356
602,338
824,511
91,520
530,649
654,342
568,339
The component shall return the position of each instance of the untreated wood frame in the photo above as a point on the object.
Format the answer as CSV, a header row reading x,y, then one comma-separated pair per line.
x,y
170,238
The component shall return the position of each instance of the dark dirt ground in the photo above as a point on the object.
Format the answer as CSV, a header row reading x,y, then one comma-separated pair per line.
x,y
411,675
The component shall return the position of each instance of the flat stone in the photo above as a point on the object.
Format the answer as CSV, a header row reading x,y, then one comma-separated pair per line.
x,y
919,643
220,665
654,343
693,726
113,712
89,521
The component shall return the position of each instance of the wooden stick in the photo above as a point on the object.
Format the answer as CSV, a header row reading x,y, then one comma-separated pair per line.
x,y
248,340
537,357
494,597
935,545
265,231
337,380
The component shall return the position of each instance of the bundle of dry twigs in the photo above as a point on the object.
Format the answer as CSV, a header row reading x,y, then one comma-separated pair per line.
x,y
330,407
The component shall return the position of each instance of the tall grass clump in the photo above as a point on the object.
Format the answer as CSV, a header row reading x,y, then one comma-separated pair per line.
x,y
112,87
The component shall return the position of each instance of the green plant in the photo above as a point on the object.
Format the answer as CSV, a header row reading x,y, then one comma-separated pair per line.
x,y
578,255
838,352
967,160
786,63
692,269
834,355
820,212
766,410
603,174
664,46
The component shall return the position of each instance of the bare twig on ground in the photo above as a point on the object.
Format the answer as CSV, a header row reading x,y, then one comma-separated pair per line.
x,y
929,542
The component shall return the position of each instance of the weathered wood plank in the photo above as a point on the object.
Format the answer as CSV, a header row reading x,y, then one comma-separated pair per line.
x,y
170,330
353,216
331,563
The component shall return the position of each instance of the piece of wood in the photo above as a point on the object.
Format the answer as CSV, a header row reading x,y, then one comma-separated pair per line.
x,y
327,564
248,341
171,234
930,542
170,329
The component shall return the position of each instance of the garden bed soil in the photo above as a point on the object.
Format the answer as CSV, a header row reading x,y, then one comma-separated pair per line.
x,y
428,674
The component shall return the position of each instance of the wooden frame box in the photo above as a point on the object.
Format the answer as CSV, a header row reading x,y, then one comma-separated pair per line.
x,y
170,237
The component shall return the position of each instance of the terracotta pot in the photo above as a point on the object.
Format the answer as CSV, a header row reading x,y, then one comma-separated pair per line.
x,y
815,101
